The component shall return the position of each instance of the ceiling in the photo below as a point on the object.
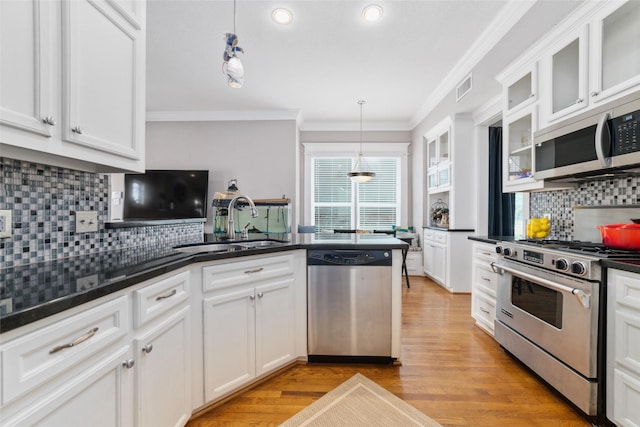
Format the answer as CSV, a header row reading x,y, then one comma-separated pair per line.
x,y
318,67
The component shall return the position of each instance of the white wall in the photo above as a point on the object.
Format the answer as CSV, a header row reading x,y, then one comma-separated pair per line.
x,y
260,154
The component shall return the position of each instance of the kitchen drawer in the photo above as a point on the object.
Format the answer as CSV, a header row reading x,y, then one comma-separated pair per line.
x,y
153,300
485,251
485,277
440,237
428,234
39,356
221,276
484,309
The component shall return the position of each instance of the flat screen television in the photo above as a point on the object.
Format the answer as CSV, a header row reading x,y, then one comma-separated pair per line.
x,y
166,194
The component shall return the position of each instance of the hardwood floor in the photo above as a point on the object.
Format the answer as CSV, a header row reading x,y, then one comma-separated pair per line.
x,y
451,370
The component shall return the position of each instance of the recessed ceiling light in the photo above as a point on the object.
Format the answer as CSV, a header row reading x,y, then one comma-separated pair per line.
x,y
372,13
281,16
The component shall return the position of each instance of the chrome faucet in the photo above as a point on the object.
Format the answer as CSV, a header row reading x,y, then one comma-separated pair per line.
x,y
231,233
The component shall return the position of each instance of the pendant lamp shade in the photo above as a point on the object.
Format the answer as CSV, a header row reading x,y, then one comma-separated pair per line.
x,y
361,171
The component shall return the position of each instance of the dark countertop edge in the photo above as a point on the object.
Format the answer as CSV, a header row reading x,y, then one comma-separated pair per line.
x,y
453,230
163,266
492,239
630,266
149,222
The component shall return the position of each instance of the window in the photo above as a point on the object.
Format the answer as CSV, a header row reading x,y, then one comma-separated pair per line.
x,y
338,203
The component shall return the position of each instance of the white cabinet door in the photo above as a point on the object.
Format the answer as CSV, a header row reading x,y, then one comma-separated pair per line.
x,y
615,59
101,396
229,342
26,36
102,82
428,257
439,263
275,315
163,373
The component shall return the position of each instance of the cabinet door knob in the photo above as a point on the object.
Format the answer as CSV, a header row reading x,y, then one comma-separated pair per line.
x,y
128,363
49,120
260,294
595,93
252,297
531,95
77,129
147,348
579,101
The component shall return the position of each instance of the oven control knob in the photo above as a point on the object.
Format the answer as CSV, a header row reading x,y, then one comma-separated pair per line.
x,y
506,251
562,264
578,268
498,249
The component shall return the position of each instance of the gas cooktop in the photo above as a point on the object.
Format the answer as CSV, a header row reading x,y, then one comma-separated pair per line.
x,y
587,248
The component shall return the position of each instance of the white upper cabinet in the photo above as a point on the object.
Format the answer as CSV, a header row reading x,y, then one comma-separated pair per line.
x,y
81,63
438,160
615,53
565,74
25,57
521,89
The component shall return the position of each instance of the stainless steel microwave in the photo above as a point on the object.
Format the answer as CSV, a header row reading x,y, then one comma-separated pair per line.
x,y
603,142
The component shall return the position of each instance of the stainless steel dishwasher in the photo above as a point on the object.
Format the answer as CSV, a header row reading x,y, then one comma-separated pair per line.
x,y
349,306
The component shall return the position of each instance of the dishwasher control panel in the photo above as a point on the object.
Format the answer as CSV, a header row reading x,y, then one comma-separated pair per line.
x,y
348,257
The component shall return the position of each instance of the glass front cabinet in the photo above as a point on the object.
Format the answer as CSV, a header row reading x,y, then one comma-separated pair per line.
x,y
438,161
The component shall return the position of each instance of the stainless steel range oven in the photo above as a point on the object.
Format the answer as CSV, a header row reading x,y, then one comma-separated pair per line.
x,y
550,301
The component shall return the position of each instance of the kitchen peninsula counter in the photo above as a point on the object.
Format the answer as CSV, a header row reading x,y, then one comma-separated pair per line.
x,y
35,291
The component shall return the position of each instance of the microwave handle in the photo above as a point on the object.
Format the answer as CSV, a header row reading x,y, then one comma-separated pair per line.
x,y
583,298
603,126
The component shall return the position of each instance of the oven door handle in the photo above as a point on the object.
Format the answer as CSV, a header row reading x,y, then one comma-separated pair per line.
x,y
583,298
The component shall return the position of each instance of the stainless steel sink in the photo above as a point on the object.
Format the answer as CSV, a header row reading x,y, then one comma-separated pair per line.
x,y
216,247
258,244
231,246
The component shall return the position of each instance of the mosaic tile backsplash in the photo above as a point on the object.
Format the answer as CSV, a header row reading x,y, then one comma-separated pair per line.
x,y
612,192
43,200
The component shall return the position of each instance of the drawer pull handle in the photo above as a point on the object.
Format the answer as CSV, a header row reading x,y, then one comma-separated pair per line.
x,y
169,295
484,310
255,270
75,342
485,279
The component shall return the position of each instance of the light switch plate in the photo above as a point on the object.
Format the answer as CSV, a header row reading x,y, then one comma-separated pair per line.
x,y
5,223
86,221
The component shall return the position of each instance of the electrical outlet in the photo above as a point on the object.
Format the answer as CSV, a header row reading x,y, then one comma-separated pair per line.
x,y
5,223
86,221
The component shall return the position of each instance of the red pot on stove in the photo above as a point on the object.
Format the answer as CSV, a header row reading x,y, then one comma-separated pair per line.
x,y
621,236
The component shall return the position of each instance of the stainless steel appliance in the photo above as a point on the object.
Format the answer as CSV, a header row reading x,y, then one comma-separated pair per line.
x,y
550,314
603,141
349,306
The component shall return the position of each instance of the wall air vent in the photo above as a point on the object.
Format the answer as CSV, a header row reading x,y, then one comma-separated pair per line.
x,y
463,88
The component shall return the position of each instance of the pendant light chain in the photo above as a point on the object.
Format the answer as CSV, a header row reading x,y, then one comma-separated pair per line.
x,y
235,17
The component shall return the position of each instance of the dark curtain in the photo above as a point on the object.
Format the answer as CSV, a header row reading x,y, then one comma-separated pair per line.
x,y
501,206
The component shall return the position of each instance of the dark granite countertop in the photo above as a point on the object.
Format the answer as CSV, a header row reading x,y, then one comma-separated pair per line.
x,y
628,265
492,239
34,291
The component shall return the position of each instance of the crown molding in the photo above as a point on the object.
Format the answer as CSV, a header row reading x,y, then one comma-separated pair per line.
x,y
221,116
510,14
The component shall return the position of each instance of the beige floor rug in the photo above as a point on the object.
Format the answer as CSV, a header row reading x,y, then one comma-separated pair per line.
x,y
359,402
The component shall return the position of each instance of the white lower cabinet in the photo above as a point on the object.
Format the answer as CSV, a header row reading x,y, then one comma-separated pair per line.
x,y
447,258
249,320
483,289
99,396
623,348
112,375
163,372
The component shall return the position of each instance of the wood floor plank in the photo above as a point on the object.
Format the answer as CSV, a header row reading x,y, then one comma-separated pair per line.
x,y
451,370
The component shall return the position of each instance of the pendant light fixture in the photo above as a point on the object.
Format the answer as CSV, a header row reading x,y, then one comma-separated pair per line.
x,y
361,171
232,66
